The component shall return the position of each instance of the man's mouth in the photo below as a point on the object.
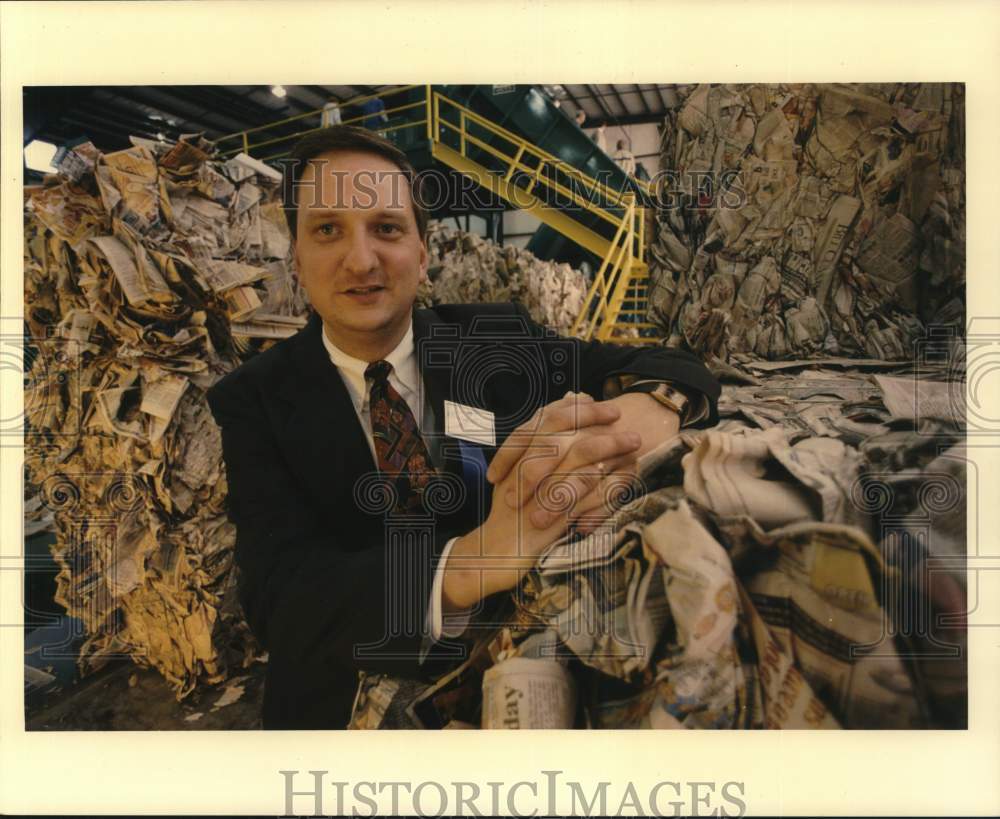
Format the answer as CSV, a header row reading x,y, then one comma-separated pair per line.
x,y
360,291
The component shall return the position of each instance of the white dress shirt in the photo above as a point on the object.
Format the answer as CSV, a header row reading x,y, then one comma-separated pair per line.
x,y
406,380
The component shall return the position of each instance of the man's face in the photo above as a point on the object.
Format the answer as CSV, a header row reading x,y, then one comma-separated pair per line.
x,y
357,248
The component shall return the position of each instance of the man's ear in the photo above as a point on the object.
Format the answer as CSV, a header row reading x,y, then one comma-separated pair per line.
x,y
424,261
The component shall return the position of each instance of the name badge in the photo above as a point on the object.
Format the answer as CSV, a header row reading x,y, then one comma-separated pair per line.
x,y
469,423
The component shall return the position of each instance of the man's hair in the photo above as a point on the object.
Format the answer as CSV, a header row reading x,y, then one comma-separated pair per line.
x,y
621,143
346,138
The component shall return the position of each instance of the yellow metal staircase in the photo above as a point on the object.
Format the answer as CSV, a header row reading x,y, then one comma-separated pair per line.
x,y
617,296
615,306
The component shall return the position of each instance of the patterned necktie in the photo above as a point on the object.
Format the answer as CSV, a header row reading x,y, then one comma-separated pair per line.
x,y
402,453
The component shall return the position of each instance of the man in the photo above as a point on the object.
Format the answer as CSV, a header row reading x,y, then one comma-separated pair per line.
x,y
331,114
375,115
623,156
601,138
356,450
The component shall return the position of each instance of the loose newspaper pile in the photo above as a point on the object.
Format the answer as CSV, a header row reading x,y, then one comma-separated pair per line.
x,y
801,565
810,219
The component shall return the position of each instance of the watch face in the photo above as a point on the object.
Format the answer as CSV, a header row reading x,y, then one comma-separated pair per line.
x,y
665,394
663,399
672,399
675,396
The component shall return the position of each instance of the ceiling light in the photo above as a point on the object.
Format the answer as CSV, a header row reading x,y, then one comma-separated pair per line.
x,y
161,136
38,156
278,90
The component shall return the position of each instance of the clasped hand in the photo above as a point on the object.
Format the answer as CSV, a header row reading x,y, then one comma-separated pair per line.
x,y
569,465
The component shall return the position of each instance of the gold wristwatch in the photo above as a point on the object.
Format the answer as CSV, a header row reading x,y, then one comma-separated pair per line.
x,y
669,396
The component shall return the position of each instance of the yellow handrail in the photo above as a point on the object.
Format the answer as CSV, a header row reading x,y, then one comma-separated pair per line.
x,y
535,175
611,282
599,282
552,159
514,162
623,260
427,102
247,146
603,308
352,101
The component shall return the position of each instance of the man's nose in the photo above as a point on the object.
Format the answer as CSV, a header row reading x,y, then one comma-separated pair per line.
x,y
360,256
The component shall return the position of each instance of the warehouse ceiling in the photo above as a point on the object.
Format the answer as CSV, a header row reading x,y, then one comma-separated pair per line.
x,y
619,104
108,115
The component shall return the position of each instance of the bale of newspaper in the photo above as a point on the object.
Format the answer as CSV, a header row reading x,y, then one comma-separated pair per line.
x,y
810,219
149,272
801,565
466,268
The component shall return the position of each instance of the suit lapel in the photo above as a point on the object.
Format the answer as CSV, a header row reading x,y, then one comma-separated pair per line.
x,y
437,383
322,429
436,345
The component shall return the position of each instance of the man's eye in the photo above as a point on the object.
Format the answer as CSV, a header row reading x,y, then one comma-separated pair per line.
x,y
326,230
388,227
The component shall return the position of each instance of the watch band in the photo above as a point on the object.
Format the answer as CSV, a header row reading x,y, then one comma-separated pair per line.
x,y
697,409
666,394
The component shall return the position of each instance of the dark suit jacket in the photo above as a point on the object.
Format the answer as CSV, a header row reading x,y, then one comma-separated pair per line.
x,y
328,583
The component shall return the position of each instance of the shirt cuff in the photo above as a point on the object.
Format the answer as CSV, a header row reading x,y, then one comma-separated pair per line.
x,y
439,626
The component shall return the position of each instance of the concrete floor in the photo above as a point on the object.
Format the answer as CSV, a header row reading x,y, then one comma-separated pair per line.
x,y
124,697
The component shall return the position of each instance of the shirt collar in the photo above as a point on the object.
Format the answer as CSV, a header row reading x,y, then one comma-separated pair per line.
x,y
402,359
